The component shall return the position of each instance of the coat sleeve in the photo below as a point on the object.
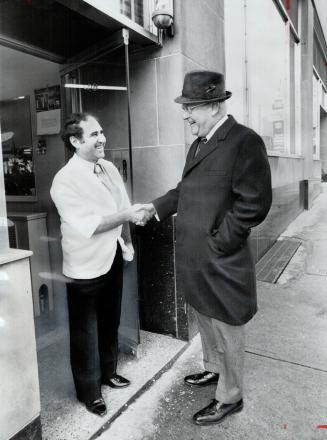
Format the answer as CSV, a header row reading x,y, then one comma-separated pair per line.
x,y
252,195
167,204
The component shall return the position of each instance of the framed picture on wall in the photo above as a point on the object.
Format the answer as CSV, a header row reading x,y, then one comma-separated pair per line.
x,y
17,149
48,116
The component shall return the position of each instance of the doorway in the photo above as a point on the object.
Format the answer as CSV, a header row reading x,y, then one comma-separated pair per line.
x,y
35,219
101,88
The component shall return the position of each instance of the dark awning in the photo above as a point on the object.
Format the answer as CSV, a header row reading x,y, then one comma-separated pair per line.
x,y
60,29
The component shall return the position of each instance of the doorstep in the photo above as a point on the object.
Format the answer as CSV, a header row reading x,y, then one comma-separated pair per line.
x,y
64,418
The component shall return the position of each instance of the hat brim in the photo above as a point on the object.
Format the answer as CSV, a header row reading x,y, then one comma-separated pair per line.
x,y
184,100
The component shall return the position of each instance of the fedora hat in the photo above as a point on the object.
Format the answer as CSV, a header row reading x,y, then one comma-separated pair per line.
x,y
202,86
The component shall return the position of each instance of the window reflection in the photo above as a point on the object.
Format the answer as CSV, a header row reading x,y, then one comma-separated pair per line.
x,y
138,11
267,69
291,7
17,150
267,95
133,9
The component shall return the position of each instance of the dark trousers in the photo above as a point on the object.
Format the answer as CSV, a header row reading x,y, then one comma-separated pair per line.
x,y
94,313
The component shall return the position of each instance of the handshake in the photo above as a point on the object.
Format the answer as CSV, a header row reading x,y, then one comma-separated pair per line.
x,y
140,214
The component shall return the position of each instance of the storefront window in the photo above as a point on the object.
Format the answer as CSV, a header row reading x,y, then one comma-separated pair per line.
x,y
138,11
263,59
17,149
235,53
33,303
319,49
268,57
133,9
292,7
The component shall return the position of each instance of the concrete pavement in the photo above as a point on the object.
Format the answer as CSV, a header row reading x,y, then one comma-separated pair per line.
x,y
285,364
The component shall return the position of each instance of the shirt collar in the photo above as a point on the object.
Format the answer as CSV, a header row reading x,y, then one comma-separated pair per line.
x,y
86,163
215,127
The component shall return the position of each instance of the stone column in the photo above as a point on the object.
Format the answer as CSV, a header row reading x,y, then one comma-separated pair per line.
x,y
306,21
323,144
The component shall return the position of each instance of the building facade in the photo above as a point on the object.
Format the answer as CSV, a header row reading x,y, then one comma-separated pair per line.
x,y
59,56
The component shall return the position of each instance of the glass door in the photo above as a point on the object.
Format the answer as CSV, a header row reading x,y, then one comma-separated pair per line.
x,y
109,103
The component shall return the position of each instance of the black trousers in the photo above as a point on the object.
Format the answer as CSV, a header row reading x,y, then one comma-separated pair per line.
x,y
94,308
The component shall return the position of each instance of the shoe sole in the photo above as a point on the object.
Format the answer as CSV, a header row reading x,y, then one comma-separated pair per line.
x,y
234,411
200,386
117,387
102,414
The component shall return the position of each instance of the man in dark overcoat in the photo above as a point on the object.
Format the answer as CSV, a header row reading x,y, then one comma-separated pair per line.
x,y
225,190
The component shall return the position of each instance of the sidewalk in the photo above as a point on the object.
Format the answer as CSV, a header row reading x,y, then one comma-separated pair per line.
x,y
285,365
64,418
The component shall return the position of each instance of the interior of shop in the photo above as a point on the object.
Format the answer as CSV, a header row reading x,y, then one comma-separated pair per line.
x,y
30,162
32,154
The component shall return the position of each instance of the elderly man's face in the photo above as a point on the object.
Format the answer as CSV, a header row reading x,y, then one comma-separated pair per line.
x,y
91,146
200,119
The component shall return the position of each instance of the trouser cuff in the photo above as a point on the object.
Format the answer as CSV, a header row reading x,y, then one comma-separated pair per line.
x,y
227,397
88,391
210,366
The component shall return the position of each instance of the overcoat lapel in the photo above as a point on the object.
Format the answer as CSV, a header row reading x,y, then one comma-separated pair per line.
x,y
209,147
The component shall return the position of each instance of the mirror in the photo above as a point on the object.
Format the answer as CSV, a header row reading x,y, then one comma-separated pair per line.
x,y
17,149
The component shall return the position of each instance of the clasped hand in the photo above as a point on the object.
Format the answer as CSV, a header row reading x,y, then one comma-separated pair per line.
x,y
140,214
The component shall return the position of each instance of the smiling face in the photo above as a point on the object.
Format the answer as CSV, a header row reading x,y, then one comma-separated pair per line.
x,y
201,118
91,146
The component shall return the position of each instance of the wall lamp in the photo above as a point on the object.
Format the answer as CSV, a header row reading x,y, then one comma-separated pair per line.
x,y
163,18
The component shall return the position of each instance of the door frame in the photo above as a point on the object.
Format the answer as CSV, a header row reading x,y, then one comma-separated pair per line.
x,y
114,42
72,99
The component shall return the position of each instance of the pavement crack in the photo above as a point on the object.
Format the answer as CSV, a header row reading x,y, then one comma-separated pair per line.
x,y
312,274
286,361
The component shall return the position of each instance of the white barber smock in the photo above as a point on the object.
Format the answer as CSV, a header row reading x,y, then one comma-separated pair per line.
x,y
81,200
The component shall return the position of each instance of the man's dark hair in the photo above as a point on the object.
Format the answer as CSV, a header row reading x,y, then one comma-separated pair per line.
x,y
72,128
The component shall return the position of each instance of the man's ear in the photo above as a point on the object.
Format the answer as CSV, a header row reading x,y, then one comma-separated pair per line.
x,y
75,142
215,108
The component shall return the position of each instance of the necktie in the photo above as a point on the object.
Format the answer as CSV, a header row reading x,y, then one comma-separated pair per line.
x,y
200,144
108,183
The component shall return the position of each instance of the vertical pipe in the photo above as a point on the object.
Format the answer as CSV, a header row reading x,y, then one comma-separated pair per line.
x,y
246,61
126,42
4,238
79,92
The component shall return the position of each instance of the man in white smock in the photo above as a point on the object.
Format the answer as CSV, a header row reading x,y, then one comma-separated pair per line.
x,y
94,211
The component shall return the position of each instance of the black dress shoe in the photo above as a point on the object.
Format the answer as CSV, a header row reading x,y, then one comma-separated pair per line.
x,y
97,407
117,381
202,379
215,413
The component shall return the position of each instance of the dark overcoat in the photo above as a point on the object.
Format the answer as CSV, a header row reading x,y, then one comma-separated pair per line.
x,y
225,190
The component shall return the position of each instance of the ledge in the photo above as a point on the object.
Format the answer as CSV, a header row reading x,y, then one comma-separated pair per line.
x,y
9,255
287,156
25,215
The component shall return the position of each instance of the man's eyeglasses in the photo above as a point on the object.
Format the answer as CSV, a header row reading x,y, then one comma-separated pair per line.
x,y
189,109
